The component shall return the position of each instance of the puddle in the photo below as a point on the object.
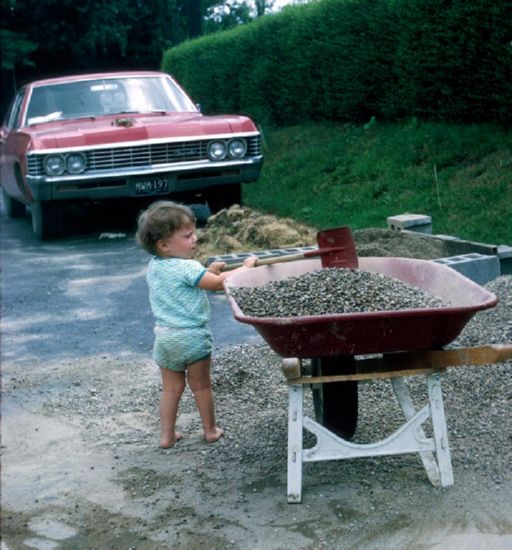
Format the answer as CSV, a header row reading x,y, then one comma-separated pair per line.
x,y
52,529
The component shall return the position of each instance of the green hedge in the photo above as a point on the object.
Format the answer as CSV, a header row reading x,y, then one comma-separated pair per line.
x,y
354,59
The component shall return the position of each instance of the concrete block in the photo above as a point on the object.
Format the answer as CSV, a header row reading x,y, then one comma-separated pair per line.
x,y
272,253
478,267
505,258
418,223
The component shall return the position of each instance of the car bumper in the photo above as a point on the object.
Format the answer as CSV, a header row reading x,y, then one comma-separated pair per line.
x,y
126,182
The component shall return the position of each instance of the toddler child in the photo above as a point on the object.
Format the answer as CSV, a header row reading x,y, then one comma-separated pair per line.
x,y
183,340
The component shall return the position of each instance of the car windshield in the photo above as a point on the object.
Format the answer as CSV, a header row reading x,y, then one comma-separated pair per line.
x,y
92,98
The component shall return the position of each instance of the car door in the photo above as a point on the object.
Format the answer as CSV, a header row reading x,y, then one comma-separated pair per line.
x,y
12,145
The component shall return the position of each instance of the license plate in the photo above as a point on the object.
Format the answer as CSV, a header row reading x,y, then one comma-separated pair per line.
x,y
151,186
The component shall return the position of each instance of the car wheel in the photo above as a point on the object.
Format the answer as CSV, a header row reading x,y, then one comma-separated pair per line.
x,y
224,196
13,208
336,403
125,214
46,219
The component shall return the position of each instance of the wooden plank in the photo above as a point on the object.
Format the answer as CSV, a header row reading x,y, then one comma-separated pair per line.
x,y
416,362
479,355
374,375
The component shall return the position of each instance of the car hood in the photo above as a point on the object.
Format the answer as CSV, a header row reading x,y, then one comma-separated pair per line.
x,y
110,130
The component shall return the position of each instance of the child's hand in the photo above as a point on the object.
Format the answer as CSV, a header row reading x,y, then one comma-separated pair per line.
x,y
216,267
214,277
250,261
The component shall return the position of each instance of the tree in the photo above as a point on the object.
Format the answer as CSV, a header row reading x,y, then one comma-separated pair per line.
x,y
230,13
194,18
16,51
263,7
224,15
68,36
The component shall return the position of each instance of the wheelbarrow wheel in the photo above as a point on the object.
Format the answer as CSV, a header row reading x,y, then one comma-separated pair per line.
x,y
336,403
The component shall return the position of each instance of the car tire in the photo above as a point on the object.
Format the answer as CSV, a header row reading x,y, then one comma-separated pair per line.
x,y
336,403
13,208
46,219
224,196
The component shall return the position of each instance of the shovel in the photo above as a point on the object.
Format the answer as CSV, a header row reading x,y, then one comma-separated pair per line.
x,y
336,248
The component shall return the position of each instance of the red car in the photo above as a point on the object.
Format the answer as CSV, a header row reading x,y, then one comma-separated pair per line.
x,y
129,136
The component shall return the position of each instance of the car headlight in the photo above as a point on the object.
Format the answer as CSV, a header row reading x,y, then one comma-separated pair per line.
x,y
54,165
75,163
217,150
237,148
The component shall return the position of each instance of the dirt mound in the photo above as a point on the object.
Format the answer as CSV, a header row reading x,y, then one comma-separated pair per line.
x,y
383,242
242,229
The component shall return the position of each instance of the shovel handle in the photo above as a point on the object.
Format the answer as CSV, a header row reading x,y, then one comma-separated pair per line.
x,y
289,257
267,261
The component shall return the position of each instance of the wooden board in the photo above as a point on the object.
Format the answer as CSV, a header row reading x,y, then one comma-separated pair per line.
x,y
406,364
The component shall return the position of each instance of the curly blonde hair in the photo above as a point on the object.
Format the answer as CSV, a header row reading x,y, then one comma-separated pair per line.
x,y
161,220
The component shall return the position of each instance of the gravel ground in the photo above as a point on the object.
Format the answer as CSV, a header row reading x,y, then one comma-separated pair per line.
x,y
81,466
233,494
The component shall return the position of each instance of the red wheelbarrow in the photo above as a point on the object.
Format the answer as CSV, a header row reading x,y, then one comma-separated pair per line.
x,y
408,342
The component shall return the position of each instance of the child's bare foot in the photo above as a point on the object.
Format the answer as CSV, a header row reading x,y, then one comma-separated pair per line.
x,y
213,436
168,442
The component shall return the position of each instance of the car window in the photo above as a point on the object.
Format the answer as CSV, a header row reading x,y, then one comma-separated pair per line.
x,y
93,98
142,95
62,101
41,106
13,119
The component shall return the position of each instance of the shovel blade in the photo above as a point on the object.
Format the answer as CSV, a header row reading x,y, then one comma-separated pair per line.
x,y
341,241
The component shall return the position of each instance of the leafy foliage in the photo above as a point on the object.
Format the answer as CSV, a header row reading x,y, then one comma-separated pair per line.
x,y
16,49
68,37
354,59
454,59
92,34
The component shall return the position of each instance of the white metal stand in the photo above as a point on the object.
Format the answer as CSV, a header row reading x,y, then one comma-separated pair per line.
x,y
409,438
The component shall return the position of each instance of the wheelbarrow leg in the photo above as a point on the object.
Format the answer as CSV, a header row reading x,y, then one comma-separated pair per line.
x,y
295,404
440,429
427,457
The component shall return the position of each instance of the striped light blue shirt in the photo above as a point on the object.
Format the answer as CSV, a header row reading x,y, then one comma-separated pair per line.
x,y
175,298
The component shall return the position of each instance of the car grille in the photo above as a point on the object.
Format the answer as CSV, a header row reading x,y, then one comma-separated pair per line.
x,y
144,155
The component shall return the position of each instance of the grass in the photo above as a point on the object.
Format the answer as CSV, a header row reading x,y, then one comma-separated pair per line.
x,y
341,174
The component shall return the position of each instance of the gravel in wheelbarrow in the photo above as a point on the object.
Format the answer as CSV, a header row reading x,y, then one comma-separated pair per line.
x,y
444,301
331,291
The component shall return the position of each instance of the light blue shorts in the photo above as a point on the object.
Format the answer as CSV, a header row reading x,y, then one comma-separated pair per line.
x,y
176,348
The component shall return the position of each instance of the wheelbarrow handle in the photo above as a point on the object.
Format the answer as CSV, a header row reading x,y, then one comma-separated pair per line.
x,y
478,355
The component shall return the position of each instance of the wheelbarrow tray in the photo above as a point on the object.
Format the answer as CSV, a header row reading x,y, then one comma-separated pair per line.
x,y
367,332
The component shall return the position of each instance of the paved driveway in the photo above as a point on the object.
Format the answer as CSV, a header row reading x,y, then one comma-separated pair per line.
x,y
65,297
